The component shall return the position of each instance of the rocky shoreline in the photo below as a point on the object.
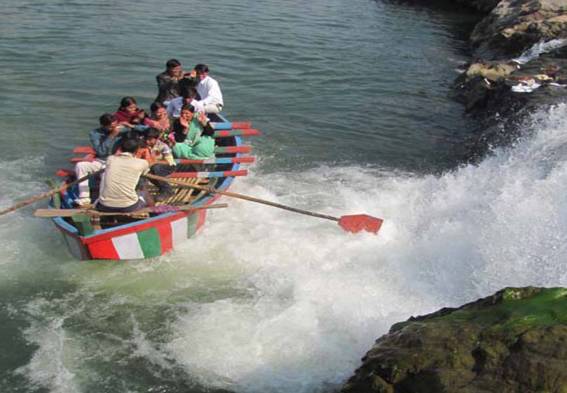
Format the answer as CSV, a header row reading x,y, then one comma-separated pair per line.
x,y
519,57
513,341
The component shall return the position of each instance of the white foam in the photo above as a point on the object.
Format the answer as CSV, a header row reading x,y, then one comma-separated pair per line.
x,y
270,301
540,48
319,297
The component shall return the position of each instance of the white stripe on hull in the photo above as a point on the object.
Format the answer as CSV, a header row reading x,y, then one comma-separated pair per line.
x,y
178,231
128,246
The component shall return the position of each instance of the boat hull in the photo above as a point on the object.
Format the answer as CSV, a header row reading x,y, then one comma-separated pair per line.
x,y
146,239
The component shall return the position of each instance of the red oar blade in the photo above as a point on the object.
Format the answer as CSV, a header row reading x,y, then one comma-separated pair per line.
x,y
360,222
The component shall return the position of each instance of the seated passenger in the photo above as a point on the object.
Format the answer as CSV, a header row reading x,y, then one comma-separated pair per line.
x,y
159,119
128,113
154,151
209,90
188,96
172,80
193,135
105,140
120,178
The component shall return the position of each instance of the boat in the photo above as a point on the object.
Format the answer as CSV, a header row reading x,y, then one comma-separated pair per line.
x,y
173,221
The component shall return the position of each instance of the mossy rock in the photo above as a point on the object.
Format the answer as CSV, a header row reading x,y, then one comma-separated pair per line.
x,y
513,341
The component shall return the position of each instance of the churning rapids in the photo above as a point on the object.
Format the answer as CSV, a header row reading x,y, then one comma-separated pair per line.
x,y
264,300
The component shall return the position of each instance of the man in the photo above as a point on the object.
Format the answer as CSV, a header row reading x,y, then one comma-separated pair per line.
x,y
188,96
209,90
120,178
154,151
172,80
105,141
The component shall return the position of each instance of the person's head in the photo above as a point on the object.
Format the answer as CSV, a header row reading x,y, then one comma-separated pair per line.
x,y
128,104
173,67
189,93
202,71
158,110
107,120
152,136
130,145
187,112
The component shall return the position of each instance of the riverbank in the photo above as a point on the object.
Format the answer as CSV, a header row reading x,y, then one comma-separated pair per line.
x,y
519,57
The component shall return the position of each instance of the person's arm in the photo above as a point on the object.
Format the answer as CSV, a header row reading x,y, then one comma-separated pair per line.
x,y
214,95
102,144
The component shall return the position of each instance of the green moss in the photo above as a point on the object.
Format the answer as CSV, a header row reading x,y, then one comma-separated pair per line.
x,y
515,312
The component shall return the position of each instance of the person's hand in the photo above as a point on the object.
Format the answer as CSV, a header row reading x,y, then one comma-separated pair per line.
x,y
203,119
183,122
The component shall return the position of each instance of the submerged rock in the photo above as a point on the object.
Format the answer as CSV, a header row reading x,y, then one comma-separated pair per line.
x,y
511,342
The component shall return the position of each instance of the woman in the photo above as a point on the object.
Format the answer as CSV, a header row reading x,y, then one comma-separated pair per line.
x,y
159,119
128,113
193,135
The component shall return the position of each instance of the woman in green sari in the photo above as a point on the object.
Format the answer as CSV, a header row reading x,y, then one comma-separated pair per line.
x,y
193,134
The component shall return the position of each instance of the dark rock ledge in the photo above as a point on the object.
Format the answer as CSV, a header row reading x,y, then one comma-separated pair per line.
x,y
512,342
501,78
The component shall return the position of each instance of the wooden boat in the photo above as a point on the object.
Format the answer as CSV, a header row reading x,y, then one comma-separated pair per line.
x,y
154,234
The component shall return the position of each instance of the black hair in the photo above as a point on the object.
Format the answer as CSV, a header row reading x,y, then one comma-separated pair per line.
x,y
152,133
172,63
208,130
155,106
188,92
127,101
188,107
201,68
106,119
130,145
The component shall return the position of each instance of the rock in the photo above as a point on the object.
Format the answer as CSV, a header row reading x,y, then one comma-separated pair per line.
x,y
513,341
513,26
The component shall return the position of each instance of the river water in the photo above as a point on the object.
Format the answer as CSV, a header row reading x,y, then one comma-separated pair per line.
x,y
353,102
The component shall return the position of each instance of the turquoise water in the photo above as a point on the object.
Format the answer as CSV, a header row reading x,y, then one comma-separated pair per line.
x,y
352,101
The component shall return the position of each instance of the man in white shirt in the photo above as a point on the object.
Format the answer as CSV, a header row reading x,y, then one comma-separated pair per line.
x,y
188,96
209,90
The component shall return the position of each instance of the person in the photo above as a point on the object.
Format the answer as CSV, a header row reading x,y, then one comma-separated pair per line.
x,y
105,140
188,96
159,118
172,80
128,113
155,150
193,135
120,178
209,90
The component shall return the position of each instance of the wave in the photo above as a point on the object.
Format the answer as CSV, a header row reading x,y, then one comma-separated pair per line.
x,y
267,301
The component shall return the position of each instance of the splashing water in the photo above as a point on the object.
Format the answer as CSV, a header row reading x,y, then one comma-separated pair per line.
x,y
268,301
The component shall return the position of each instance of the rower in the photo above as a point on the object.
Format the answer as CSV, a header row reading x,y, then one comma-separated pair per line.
x,y
209,90
105,140
120,178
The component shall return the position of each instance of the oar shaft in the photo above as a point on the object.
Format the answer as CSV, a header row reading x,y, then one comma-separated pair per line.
x,y
45,194
244,197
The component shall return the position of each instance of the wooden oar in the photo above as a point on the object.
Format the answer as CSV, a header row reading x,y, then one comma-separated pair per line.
x,y
351,223
47,194
50,213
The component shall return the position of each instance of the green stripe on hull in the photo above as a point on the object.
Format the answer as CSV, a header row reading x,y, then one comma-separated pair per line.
x,y
150,243
192,221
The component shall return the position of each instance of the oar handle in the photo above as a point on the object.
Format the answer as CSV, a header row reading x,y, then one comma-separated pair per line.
x,y
47,194
242,196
